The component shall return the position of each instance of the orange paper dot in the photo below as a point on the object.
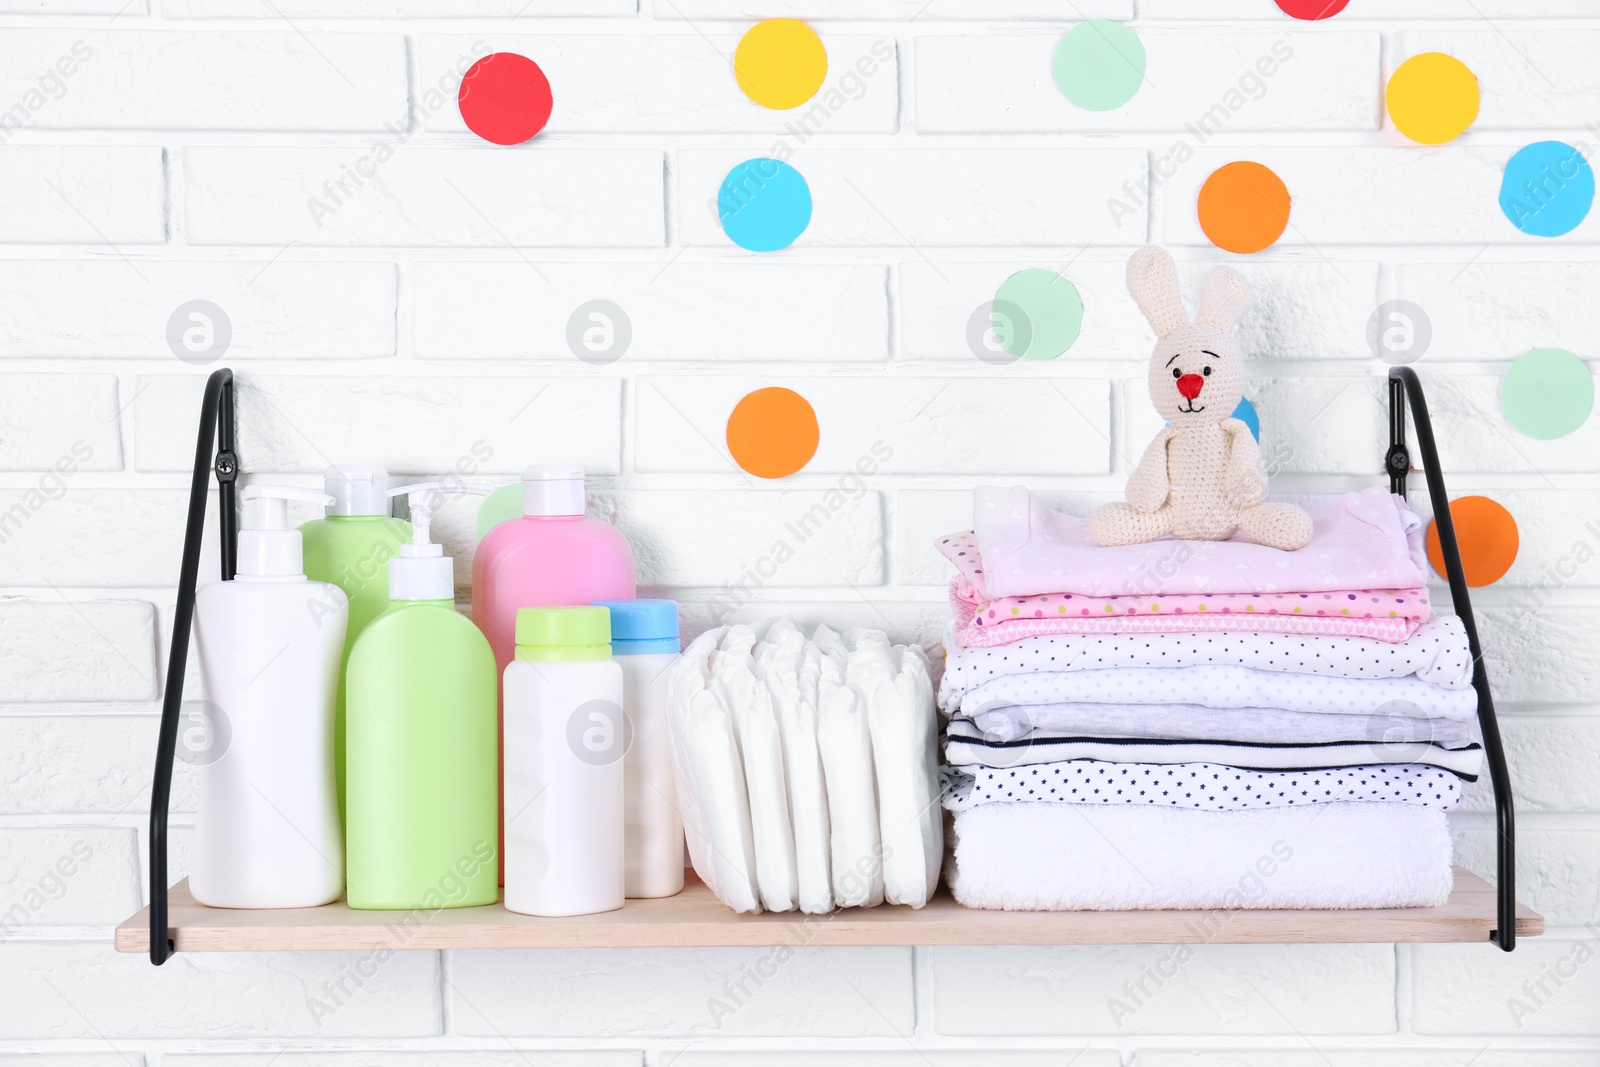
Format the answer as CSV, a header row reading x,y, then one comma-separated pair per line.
x,y
1243,207
1487,536
772,432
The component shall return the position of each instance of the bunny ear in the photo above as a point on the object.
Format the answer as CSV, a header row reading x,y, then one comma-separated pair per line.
x,y
1153,281
1223,299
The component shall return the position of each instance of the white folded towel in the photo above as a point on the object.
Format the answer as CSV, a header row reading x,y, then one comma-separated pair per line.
x,y
1069,857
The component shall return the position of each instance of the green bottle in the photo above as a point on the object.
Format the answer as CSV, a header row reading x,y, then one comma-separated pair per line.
x,y
351,549
423,750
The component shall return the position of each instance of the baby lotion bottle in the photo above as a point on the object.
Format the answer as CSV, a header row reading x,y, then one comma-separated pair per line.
x,y
553,555
421,739
644,641
351,548
565,734
267,831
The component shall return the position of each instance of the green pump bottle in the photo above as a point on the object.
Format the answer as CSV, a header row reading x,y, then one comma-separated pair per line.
x,y
422,752
351,548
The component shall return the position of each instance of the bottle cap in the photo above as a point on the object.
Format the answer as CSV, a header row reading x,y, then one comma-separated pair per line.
x,y
641,627
422,571
563,633
268,546
357,489
552,489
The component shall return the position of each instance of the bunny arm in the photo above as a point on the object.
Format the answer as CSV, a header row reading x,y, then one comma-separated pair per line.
x,y
1148,485
1244,482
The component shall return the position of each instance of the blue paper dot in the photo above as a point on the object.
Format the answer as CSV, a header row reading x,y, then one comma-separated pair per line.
x,y
1246,413
1548,188
763,205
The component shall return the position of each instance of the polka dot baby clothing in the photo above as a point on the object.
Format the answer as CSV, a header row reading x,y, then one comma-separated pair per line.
x,y
1437,654
1202,786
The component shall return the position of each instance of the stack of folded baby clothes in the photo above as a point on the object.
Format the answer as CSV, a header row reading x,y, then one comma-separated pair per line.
x,y
1198,724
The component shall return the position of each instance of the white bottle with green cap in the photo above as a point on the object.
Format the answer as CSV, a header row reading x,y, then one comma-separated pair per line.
x,y
565,738
270,641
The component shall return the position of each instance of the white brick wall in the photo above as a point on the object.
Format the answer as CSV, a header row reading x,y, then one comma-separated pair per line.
x,y
613,83
694,993
388,192
395,290
100,309
919,196
780,312
83,195
1292,81
156,80
1215,989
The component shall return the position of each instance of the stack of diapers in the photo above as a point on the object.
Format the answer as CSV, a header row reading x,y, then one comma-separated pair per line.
x,y
1201,725
807,768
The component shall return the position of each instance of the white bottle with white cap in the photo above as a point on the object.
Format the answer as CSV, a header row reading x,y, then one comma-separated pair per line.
x,y
270,644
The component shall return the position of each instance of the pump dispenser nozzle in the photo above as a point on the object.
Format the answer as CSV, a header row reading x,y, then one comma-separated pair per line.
x,y
422,571
357,489
268,547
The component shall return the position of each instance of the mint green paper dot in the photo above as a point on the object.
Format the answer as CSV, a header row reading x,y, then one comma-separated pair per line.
x,y
502,504
1052,310
1547,393
1099,65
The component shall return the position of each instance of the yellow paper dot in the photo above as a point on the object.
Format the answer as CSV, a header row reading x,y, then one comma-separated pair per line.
x,y
1432,98
780,63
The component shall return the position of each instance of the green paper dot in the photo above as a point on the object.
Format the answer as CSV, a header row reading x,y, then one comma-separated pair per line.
x,y
1099,65
1051,311
1547,393
502,504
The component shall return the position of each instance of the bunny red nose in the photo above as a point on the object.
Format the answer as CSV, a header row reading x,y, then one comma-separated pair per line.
x,y
1189,385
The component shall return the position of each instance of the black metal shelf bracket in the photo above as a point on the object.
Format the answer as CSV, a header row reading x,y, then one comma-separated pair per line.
x,y
213,451
1404,385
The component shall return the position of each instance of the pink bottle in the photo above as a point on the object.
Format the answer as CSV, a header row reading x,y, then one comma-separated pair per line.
x,y
553,556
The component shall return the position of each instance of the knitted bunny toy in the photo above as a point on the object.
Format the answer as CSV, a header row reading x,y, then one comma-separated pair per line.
x,y
1201,478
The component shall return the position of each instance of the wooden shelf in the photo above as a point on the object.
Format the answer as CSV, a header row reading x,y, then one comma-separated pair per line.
x,y
694,918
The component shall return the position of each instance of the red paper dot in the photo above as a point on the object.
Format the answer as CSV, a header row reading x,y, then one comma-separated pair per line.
x,y
1311,10
505,98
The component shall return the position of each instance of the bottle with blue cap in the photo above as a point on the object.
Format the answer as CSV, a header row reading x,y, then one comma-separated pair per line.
x,y
644,640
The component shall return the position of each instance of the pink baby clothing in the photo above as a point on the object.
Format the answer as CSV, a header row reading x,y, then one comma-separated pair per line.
x,y
1365,540
1005,628
1354,603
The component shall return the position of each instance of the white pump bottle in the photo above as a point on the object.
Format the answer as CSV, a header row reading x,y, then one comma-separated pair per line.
x,y
270,643
426,573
